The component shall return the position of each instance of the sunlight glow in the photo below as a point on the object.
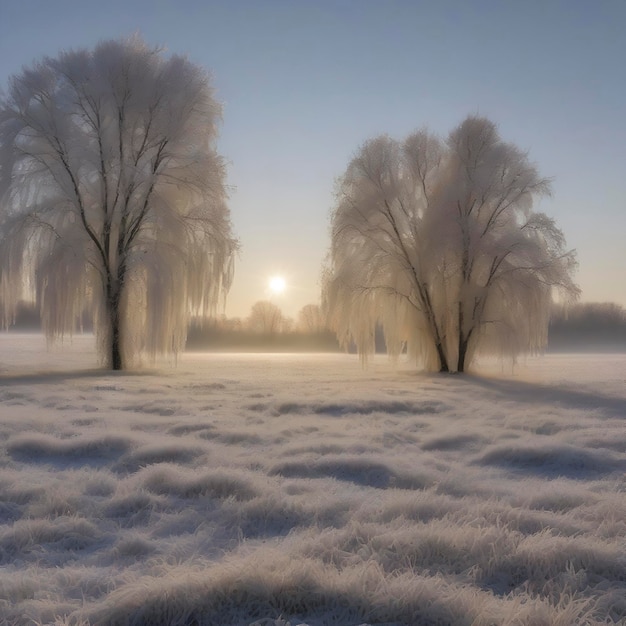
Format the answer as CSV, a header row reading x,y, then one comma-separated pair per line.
x,y
277,284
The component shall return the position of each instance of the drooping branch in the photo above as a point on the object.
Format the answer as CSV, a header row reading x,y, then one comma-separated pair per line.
x,y
90,144
439,244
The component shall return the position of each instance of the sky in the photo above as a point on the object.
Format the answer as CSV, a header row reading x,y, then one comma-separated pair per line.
x,y
304,83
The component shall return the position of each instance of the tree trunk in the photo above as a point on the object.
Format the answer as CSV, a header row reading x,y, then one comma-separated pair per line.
x,y
462,354
114,349
443,361
116,342
464,342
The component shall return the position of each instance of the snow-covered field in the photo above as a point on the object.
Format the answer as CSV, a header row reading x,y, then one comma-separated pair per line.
x,y
266,489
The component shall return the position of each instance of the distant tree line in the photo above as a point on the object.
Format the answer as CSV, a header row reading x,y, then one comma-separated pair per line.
x,y
588,326
265,329
584,326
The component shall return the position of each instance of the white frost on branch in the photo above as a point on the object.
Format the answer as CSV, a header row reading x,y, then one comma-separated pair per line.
x,y
113,197
438,244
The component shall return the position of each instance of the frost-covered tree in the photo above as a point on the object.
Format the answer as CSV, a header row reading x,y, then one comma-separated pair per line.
x,y
438,243
113,197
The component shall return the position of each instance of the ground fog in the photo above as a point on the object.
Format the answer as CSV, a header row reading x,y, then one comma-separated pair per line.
x,y
302,489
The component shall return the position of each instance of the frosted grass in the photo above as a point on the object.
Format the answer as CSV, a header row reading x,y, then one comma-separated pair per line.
x,y
302,489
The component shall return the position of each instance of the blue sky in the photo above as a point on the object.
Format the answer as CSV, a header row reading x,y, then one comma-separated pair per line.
x,y
304,83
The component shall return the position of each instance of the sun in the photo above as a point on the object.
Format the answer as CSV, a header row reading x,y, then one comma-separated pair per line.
x,y
277,284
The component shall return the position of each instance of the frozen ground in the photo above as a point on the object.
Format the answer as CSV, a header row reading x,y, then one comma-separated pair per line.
x,y
266,489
